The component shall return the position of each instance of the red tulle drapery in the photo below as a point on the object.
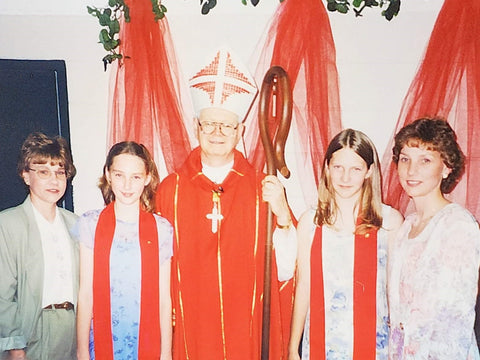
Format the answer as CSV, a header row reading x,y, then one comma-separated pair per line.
x,y
447,85
144,93
300,41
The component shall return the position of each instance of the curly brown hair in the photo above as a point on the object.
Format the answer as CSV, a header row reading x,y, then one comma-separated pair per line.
x,y
434,134
39,148
147,199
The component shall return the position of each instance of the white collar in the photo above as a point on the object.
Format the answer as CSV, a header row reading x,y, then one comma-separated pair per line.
x,y
217,174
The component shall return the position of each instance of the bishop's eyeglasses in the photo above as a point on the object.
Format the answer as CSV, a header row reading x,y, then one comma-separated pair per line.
x,y
208,128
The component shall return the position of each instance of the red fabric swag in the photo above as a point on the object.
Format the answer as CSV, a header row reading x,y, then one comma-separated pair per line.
x,y
447,84
149,332
364,297
145,104
301,42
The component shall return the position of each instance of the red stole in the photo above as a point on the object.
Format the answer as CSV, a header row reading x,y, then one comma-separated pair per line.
x,y
149,332
364,297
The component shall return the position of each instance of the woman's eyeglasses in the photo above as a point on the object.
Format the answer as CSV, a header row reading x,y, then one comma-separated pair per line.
x,y
47,173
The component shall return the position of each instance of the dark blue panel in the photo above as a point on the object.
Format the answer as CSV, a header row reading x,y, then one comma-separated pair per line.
x,y
33,97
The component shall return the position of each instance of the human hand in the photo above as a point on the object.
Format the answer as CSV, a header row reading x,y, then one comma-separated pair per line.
x,y
83,355
17,354
273,192
293,355
166,356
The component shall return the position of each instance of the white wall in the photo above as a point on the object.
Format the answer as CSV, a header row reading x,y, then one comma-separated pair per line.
x,y
376,60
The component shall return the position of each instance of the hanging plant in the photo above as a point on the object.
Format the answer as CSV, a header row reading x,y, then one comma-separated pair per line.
x,y
109,17
391,7
109,20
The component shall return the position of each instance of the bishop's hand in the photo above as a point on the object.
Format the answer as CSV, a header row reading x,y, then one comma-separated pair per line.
x,y
273,192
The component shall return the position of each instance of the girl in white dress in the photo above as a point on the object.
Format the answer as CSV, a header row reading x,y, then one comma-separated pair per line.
x,y
340,300
434,261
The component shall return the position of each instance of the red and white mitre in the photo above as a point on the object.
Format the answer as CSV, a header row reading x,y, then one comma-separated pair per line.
x,y
224,83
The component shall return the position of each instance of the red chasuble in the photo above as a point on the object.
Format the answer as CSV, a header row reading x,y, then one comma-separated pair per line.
x,y
364,297
217,277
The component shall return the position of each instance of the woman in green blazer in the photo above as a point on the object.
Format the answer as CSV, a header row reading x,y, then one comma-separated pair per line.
x,y
39,259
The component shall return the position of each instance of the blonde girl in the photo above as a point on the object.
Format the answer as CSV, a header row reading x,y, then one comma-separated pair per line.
x,y
340,300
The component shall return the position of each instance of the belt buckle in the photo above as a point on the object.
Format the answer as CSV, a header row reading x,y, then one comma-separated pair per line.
x,y
64,305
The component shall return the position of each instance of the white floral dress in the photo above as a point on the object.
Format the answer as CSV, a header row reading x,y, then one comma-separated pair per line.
x,y
338,262
432,288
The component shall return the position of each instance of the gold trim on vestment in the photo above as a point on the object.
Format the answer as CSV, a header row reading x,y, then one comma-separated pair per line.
x,y
236,172
220,280
180,300
255,251
197,175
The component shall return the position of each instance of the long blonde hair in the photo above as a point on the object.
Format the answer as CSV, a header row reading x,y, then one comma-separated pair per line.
x,y
370,204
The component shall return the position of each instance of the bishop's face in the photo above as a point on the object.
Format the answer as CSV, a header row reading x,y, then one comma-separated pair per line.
x,y
218,132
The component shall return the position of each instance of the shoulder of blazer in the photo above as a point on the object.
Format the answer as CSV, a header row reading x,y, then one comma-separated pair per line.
x,y
69,217
14,215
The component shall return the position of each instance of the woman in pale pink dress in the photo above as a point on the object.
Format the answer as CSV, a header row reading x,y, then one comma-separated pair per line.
x,y
434,261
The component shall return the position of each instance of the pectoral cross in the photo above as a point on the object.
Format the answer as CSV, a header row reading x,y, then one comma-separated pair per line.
x,y
216,215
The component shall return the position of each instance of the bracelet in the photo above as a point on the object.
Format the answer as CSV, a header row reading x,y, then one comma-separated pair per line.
x,y
285,227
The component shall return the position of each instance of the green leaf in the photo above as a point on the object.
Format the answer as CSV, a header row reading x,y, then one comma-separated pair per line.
x,y
104,36
94,12
357,3
392,10
371,3
126,14
108,46
341,8
104,19
331,6
114,27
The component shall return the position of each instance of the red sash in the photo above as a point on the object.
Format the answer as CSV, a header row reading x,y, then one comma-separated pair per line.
x,y
364,297
149,331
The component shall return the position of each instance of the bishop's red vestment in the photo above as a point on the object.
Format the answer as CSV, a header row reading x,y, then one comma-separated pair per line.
x,y
217,277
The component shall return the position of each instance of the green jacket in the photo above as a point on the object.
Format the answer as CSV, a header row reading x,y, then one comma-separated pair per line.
x,y
21,273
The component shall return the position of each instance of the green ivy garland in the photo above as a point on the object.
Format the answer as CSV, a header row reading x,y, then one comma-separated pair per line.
x,y
392,7
108,17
